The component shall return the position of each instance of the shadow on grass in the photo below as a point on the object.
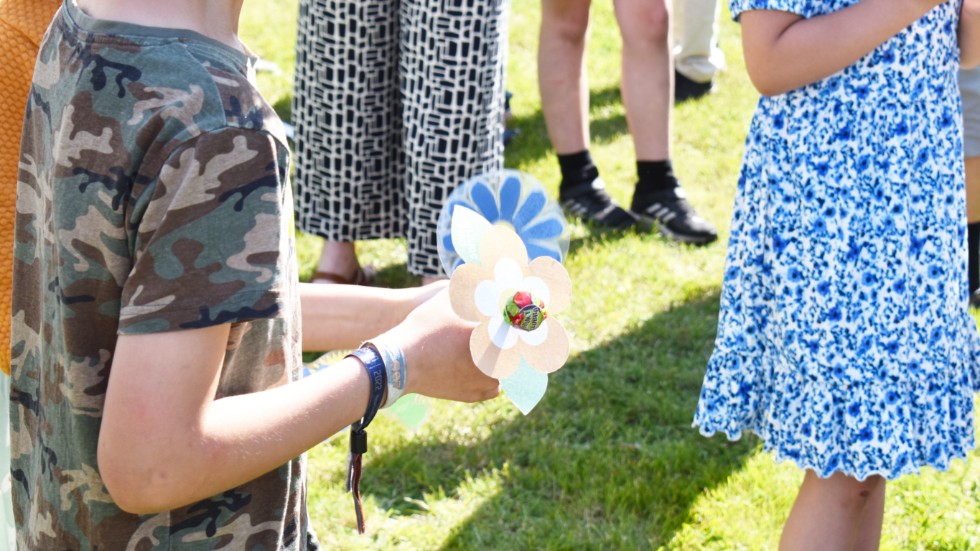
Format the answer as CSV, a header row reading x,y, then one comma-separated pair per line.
x,y
589,235
607,460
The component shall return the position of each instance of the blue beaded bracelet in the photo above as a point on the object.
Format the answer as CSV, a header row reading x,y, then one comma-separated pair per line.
x,y
358,436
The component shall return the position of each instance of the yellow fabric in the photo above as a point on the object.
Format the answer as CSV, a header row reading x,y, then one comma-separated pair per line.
x,y
22,24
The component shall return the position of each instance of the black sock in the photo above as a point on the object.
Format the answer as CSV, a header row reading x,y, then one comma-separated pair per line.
x,y
655,176
973,254
577,168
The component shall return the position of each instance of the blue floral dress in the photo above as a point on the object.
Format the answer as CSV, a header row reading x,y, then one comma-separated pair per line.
x,y
844,339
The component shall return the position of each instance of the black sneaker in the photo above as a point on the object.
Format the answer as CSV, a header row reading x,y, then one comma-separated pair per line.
x,y
590,202
673,216
685,88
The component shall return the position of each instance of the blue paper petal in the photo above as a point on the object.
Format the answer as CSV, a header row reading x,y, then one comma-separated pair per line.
x,y
485,201
506,197
525,387
547,229
533,205
510,193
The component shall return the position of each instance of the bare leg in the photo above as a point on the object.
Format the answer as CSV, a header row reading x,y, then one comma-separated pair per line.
x,y
868,537
972,218
973,189
561,73
338,258
647,75
838,513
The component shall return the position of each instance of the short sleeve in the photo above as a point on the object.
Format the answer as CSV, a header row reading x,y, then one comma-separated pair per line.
x,y
799,7
210,236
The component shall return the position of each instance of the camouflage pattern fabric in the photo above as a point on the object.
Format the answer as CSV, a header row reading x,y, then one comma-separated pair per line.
x,y
152,196
22,24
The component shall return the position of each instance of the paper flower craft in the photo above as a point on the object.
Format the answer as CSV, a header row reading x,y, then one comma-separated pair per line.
x,y
519,340
510,198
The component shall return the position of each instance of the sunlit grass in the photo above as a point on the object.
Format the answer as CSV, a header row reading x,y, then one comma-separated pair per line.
x,y
608,460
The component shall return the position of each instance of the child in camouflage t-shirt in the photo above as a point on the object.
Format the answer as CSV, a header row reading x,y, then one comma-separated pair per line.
x,y
156,310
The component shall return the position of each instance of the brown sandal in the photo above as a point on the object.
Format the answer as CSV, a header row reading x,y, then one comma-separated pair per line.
x,y
364,275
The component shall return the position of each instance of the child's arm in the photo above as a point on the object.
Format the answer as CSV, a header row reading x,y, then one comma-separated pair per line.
x,y
969,33
341,317
784,51
165,440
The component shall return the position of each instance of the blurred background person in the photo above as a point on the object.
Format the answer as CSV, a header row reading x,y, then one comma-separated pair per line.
x,y
697,57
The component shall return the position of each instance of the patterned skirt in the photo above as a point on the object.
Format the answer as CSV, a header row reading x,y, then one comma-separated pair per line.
x,y
395,104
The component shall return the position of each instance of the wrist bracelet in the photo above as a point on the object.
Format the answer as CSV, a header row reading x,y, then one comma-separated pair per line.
x,y
375,367
395,368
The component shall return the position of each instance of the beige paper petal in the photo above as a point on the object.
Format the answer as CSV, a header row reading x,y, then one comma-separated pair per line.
x,y
462,287
500,242
550,355
556,277
491,360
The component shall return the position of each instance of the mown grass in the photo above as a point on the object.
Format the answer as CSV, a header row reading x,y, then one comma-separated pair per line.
x,y
608,460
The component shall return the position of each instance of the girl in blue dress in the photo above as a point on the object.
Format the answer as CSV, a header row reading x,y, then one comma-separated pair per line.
x,y
844,339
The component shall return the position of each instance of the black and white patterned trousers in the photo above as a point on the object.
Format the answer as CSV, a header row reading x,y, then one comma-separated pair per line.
x,y
395,104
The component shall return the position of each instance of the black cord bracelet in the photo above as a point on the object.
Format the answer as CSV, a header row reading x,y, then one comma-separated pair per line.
x,y
358,436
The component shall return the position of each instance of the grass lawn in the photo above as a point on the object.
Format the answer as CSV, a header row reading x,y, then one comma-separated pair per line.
x,y
608,460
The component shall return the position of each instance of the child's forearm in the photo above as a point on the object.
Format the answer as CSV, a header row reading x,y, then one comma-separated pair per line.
x,y
167,439
784,51
969,33
164,448
337,317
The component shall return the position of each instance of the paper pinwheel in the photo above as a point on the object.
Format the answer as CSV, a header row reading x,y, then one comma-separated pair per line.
x,y
514,296
513,199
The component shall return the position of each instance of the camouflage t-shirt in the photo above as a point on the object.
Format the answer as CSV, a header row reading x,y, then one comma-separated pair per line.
x,y
152,196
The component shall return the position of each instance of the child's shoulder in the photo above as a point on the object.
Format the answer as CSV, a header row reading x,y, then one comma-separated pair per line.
x,y
146,73
209,83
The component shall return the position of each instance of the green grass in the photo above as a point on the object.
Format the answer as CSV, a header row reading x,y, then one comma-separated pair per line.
x,y
608,460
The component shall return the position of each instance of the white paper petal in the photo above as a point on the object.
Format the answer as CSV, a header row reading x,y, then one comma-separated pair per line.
x,y
467,230
508,274
502,334
487,298
536,337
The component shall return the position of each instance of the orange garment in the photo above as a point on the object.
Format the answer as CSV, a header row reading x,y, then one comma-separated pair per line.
x,y
22,24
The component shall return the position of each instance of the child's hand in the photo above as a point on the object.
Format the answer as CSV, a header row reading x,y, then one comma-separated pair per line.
x,y
436,344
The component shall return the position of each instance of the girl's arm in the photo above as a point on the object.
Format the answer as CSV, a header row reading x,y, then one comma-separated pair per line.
x,y
969,33
784,51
